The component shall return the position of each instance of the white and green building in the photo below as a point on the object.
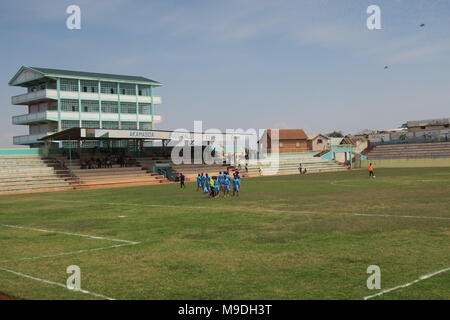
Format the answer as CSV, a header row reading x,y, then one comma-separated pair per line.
x,y
58,100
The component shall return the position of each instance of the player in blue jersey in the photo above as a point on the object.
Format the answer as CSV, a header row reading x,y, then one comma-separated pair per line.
x,y
202,180
207,182
216,186
226,187
219,179
227,175
236,185
199,182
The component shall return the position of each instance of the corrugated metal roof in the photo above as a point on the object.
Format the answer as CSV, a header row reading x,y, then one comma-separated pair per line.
x,y
93,75
290,134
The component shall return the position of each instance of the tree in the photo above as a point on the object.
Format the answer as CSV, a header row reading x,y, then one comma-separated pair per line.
x,y
335,134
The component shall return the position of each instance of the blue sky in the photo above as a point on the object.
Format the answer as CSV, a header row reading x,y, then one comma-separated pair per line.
x,y
309,64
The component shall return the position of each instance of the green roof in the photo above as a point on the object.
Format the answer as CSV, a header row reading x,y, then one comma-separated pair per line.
x,y
47,72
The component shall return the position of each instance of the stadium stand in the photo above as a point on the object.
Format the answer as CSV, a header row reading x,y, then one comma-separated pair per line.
x,y
290,165
192,170
32,173
409,151
114,175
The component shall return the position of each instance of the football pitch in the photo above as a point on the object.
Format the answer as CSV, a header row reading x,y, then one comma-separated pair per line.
x,y
285,237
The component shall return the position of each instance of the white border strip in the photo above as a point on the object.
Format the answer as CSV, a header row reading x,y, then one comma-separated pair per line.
x,y
395,216
424,277
55,284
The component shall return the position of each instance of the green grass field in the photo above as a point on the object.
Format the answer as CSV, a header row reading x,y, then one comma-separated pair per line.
x,y
285,237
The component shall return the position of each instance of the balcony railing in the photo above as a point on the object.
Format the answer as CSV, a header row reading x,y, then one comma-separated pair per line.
x,y
53,94
53,116
31,138
38,116
31,96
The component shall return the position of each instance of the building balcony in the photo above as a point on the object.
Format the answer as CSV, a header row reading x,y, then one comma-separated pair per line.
x,y
53,116
50,94
26,98
30,138
35,117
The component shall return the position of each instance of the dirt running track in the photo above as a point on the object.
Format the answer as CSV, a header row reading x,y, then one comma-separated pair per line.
x,y
4,297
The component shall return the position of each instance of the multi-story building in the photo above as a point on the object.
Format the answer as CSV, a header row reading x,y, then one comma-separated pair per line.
x,y
61,99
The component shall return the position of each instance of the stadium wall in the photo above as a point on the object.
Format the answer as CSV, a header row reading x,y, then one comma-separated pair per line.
x,y
406,163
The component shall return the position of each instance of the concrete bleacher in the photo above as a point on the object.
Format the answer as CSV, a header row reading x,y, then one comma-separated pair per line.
x,y
192,170
31,173
290,165
410,151
135,174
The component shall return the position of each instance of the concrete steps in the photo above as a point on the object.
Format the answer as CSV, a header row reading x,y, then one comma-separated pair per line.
x,y
410,151
290,165
30,173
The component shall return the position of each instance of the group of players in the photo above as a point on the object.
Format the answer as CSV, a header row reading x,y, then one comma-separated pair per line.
x,y
222,182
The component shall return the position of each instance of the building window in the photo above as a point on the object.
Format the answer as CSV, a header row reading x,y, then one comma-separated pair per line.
x,y
53,105
69,85
89,106
110,125
70,144
110,107
53,126
145,126
69,105
145,108
109,87
89,86
144,90
90,124
127,107
90,144
67,124
319,141
128,125
128,89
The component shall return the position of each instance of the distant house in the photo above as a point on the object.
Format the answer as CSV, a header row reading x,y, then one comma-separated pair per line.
x,y
358,144
335,141
317,142
433,124
290,140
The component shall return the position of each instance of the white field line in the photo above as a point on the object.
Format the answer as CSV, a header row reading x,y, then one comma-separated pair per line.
x,y
179,207
424,277
68,233
395,216
129,204
55,283
124,243
67,253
